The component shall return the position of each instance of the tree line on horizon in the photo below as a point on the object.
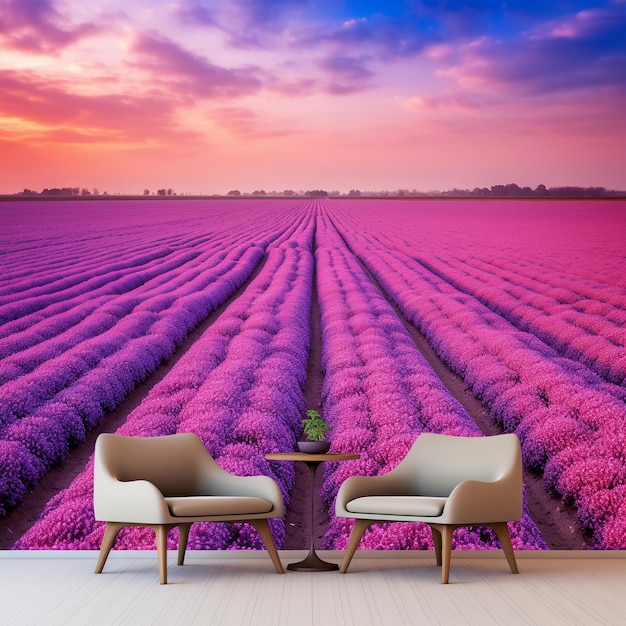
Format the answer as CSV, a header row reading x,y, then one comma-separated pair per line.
x,y
511,190
504,191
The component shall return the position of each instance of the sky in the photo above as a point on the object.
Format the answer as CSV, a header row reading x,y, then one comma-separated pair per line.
x,y
205,96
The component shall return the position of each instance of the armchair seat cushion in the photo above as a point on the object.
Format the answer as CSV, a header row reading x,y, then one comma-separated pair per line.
x,y
199,506
419,506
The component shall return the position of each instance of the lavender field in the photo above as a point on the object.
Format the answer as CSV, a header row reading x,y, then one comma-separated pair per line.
x,y
525,300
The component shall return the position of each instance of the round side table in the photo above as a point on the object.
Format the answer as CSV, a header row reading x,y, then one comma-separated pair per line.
x,y
312,562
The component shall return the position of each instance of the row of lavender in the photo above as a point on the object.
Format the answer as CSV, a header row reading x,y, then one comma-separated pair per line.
x,y
572,423
581,320
79,336
379,395
239,388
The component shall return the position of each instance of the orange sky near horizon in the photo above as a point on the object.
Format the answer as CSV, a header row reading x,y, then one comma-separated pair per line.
x,y
204,96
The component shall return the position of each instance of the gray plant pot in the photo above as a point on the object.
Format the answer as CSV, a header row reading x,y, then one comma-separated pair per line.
x,y
314,447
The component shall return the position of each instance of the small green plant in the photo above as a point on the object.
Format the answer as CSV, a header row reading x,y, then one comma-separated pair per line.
x,y
315,427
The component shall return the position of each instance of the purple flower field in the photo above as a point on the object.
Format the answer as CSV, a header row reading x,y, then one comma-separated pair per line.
x,y
526,300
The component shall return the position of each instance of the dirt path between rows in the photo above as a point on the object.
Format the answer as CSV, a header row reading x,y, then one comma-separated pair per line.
x,y
297,515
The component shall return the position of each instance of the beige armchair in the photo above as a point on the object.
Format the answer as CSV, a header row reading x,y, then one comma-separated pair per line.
x,y
445,482
172,481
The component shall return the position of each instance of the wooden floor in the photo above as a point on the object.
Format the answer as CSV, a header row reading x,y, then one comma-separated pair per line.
x,y
381,588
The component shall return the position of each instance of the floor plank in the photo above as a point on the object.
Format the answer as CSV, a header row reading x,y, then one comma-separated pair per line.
x,y
380,588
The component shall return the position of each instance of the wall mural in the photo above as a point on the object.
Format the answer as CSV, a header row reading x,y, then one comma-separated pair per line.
x,y
230,318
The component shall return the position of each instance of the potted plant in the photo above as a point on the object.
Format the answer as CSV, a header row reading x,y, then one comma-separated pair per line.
x,y
315,429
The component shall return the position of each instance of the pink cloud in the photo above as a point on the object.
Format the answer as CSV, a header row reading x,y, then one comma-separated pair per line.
x,y
195,14
346,74
444,103
36,26
247,123
188,74
103,118
293,87
346,67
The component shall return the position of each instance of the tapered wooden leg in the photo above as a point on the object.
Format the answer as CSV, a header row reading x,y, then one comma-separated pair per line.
x,y
360,526
183,536
161,539
110,533
263,528
446,552
437,544
502,531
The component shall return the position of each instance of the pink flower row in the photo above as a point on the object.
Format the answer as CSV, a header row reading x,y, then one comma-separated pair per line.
x,y
549,313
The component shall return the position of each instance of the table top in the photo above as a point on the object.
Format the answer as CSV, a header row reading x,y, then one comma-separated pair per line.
x,y
305,456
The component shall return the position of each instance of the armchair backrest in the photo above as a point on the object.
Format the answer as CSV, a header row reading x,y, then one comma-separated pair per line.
x,y
171,462
436,463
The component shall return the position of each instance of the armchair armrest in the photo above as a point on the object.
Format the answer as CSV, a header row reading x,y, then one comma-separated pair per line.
x,y
477,502
135,501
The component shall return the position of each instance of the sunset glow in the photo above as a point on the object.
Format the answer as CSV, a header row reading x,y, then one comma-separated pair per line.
x,y
206,96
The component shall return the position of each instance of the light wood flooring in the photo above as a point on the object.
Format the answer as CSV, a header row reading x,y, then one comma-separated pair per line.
x,y
381,588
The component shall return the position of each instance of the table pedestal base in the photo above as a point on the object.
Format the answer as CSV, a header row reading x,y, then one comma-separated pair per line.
x,y
312,563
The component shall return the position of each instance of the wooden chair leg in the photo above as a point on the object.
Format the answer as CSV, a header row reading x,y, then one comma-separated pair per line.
x,y
263,528
502,531
183,537
437,544
360,526
446,550
110,533
161,538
